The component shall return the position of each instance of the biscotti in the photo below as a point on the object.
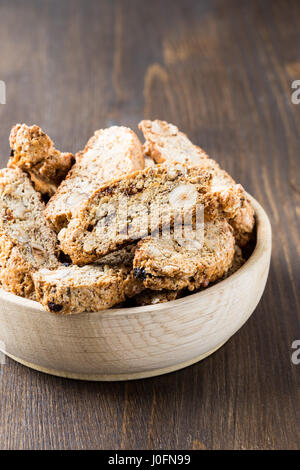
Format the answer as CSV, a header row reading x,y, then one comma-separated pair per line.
x,y
242,220
110,153
164,142
74,289
33,152
173,265
27,243
134,206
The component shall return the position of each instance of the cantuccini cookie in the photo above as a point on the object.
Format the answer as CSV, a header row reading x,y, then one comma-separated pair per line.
x,y
174,265
110,153
165,142
33,152
242,220
74,289
133,207
27,242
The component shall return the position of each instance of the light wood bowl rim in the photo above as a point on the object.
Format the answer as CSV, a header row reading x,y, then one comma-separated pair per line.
x,y
263,243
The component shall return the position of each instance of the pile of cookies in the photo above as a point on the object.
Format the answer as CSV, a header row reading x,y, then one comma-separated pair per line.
x,y
100,229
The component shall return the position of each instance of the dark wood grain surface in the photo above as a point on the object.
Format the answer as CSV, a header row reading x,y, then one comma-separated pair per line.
x,y
221,71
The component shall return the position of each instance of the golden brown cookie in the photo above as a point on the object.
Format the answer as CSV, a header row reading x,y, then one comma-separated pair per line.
x,y
164,142
177,264
110,153
134,206
34,153
27,242
74,289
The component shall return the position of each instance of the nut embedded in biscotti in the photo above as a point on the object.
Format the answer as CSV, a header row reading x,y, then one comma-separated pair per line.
x,y
183,196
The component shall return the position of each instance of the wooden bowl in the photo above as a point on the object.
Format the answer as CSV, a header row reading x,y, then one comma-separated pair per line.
x,y
132,343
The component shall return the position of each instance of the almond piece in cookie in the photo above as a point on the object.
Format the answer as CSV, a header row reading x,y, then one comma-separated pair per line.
x,y
74,289
27,242
109,154
169,264
33,152
134,206
164,142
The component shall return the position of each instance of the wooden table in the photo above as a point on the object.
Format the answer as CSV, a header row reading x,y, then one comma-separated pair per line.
x,y
222,71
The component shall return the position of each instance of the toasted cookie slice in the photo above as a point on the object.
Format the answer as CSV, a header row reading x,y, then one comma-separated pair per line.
x,y
165,142
133,207
169,264
75,289
242,219
27,242
110,153
33,152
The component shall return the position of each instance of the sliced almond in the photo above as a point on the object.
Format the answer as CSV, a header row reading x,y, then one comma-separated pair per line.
x,y
183,196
